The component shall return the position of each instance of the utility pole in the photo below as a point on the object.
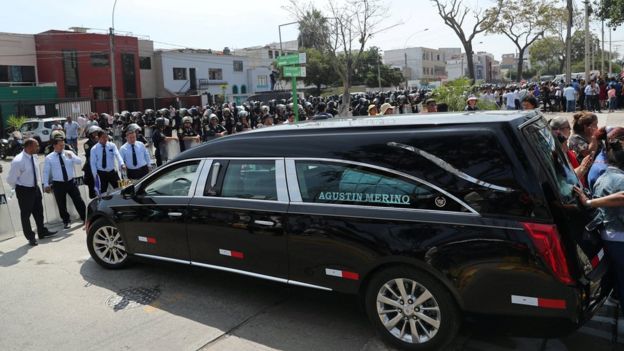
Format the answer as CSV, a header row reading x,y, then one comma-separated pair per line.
x,y
568,66
379,76
587,58
602,71
406,69
610,53
112,62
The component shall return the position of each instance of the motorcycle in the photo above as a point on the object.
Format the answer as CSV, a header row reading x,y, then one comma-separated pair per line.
x,y
12,146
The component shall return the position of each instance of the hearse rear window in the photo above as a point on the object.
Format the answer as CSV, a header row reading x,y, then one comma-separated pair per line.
x,y
340,183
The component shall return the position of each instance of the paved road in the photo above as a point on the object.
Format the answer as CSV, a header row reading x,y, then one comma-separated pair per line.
x,y
54,296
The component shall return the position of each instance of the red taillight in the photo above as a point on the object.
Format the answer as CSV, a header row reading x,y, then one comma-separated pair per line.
x,y
548,245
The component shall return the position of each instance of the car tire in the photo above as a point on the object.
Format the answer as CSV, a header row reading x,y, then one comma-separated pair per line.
x,y
106,245
423,307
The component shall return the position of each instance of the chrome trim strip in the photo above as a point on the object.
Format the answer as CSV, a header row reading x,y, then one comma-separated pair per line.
x,y
225,199
193,186
175,260
333,214
266,223
388,209
293,182
165,166
232,270
532,120
203,177
280,181
294,282
405,175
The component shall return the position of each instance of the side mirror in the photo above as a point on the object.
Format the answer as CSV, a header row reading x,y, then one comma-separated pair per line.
x,y
128,192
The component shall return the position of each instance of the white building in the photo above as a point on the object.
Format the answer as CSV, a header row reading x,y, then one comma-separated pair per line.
x,y
485,67
419,63
263,56
189,71
18,59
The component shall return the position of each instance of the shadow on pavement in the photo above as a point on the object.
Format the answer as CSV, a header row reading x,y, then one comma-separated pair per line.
x,y
11,258
279,316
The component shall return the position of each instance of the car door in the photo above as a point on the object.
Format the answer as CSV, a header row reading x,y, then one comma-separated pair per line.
x,y
153,221
236,219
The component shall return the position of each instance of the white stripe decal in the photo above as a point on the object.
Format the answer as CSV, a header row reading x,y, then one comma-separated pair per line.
x,y
601,254
524,300
333,272
143,239
225,252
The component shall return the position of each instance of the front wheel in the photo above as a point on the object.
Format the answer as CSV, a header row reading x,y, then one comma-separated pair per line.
x,y
106,245
411,310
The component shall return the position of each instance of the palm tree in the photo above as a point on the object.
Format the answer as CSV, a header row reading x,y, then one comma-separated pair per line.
x,y
313,31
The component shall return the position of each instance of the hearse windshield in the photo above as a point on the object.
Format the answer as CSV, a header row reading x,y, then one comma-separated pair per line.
x,y
554,159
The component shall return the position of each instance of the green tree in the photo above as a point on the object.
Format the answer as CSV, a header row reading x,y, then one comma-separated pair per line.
x,y
313,30
319,71
454,94
611,11
548,54
524,22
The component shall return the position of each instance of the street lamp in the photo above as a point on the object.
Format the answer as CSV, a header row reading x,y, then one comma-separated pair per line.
x,y
112,61
405,52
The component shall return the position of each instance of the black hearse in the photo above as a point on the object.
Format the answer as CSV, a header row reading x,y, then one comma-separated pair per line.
x,y
427,218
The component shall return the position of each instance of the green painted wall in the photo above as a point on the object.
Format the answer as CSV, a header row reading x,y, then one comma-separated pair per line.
x,y
16,99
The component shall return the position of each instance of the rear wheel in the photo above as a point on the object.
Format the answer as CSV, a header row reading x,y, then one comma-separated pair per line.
x,y
106,245
411,310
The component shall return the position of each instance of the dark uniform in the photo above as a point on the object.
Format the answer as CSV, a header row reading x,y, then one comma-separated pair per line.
x,y
185,132
158,138
88,175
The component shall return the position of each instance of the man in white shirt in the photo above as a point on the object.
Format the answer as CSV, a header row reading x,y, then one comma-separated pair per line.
x,y
510,100
23,178
71,132
569,94
135,155
59,168
103,156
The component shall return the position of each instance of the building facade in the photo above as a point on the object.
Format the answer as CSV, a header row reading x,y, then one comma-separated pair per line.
x,y
419,63
18,60
188,71
486,69
148,72
79,63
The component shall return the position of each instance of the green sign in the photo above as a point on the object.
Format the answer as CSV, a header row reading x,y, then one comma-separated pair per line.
x,y
294,59
294,71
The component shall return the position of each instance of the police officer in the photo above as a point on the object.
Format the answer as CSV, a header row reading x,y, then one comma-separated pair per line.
x,y
214,128
103,156
187,134
59,167
23,178
56,134
135,154
92,135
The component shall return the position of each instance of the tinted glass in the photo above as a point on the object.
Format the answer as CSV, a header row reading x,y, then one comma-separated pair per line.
x,y
174,181
555,161
250,180
338,183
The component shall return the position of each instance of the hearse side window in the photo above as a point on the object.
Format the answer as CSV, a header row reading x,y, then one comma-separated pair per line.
x,y
556,164
250,180
174,181
341,183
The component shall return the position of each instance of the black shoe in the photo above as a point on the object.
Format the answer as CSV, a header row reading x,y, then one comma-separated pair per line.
x,y
47,234
33,242
67,225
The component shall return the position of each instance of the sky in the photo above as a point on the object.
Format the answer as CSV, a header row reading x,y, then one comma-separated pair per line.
x,y
240,23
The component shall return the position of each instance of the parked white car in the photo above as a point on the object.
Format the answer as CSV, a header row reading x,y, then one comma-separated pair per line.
x,y
40,129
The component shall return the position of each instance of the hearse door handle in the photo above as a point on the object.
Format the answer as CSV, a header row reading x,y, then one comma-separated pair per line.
x,y
175,214
264,223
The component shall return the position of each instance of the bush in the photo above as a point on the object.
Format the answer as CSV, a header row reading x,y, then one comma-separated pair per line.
x,y
455,93
14,122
